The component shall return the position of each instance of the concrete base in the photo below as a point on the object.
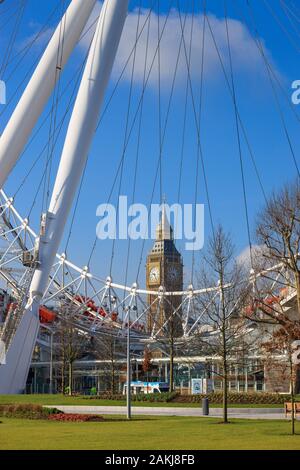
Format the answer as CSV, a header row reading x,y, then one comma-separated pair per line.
x,y
13,374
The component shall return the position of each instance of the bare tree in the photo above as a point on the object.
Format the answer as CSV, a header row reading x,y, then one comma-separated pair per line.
x,y
278,231
169,329
280,342
278,234
146,366
223,305
59,350
109,348
172,330
70,345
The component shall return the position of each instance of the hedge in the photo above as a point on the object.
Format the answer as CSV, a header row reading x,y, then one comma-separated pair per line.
x,y
250,398
258,398
27,411
165,397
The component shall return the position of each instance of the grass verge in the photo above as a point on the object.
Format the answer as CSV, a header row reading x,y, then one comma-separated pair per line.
x,y
149,433
56,400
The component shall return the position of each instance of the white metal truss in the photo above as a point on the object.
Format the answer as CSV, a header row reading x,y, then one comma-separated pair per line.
x,y
99,304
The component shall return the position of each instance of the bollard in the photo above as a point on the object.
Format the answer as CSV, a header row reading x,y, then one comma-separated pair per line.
x,y
205,407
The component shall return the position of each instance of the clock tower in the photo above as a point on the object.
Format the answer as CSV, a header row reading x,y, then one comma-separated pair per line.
x,y
164,269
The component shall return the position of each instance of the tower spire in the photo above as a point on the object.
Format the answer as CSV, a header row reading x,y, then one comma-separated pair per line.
x,y
164,230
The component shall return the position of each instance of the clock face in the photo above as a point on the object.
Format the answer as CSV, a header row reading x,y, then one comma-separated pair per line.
x,y
173,273
154,274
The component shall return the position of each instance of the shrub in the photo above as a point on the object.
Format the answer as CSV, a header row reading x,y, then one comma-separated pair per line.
x,y
75,418
251,398
165,397
104,396
255,398
27,411
147,397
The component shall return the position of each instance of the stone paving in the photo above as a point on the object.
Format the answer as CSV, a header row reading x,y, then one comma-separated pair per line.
x,y
246,413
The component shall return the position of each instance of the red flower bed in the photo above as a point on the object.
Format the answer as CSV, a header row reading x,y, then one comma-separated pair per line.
x,y
75,417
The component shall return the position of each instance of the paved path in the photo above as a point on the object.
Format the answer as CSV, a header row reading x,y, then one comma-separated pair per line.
x,y
246,413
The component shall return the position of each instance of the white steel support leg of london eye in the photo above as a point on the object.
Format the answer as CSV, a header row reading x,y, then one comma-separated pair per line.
x,y
80,132
41,84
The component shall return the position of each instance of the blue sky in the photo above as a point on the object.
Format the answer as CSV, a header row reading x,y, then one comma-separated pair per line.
x,y
255,100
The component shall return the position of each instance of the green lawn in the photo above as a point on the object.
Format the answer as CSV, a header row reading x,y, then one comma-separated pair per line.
x,y
148,433
65,400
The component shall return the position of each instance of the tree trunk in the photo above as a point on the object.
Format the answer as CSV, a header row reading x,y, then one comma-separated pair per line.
x,y
224,352
225,390
70,378
292,395
297,280
297,379
171,366
113,385
63,375
296,384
